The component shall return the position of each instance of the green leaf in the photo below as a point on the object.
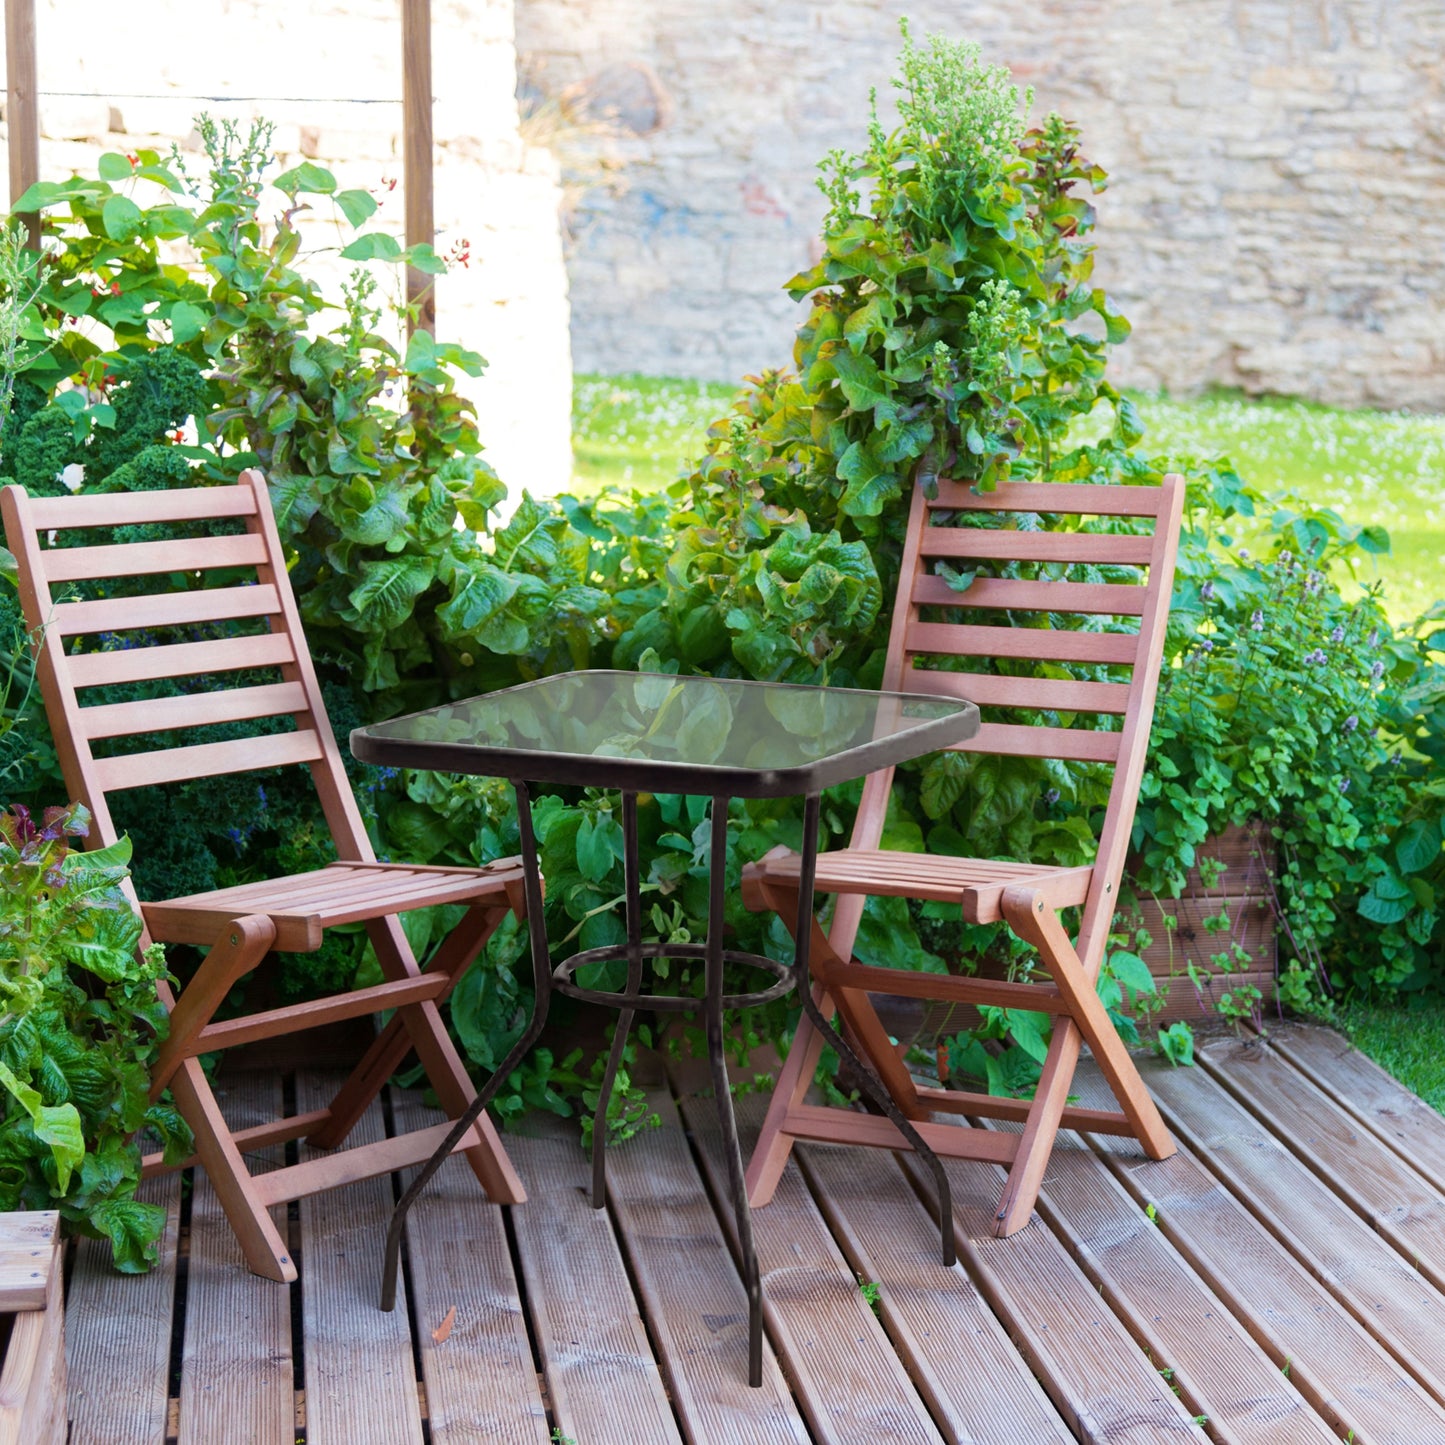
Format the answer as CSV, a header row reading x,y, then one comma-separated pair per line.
x,y
113,166
1418,846
487,591
316,180
861,381
1176,1043
187,321
133,1227
599,846
384,597
357,206
57,1125
422,258
1375,539
1132,972
373,246
1030,1031
121,217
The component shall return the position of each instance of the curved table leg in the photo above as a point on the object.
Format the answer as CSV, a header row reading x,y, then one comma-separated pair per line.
x,y
632,874
542,983
835,1038
722,1092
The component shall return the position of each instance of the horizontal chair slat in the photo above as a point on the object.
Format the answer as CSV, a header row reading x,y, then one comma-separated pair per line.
x,y
119,509
166,609
237,704
1056,644
204,760
1012,546
1031,692
1060,498
1024,740
1097,599
181,659
143,559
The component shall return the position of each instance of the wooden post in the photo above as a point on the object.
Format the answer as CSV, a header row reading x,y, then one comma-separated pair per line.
x,y
22,115
416,107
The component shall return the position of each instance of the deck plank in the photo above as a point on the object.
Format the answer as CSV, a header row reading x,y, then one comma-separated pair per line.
x,y
1334,1362
481,1384
976,1384
1359,1086
1097,1376
1361,1169
692,1293
1217,1368
833,1349
361,1386
118,1335
236,1366
1396,1303
603,1382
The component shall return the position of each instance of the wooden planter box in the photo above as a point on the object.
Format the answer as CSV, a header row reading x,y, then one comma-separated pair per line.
x,y
1242,893
32,1319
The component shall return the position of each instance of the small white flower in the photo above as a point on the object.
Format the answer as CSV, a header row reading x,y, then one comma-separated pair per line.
x,y
71,476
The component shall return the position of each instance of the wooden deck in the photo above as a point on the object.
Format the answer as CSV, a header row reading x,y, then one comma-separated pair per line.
x,y
1282,1279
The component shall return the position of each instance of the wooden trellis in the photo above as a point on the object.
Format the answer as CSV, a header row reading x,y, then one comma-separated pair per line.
x,y
22,116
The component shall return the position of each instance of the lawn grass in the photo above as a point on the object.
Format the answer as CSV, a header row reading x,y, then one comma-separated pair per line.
x,y
1408,1042
1380,467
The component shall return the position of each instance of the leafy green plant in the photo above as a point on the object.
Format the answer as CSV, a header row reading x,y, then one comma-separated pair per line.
x,y
1284,704
81,1025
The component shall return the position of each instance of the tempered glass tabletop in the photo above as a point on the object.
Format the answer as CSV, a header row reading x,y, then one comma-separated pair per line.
x,y
656,732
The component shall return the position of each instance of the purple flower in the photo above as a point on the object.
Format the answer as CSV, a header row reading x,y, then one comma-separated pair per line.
x,y
1344,785
1313,582
1316,657
1206,592
1051,797
1256,622
1205,645
1373,640
1286,559
1338,635
1350,724
1244,554
1377,671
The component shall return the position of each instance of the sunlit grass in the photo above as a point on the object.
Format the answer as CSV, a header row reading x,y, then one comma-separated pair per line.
x,y
637,431
1407,1042
1377,467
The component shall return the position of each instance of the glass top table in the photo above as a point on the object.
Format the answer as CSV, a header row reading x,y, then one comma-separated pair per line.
x,y
672,734
646,733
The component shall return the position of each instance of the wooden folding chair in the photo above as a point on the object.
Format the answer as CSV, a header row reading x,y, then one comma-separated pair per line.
x,y
989,532
241,925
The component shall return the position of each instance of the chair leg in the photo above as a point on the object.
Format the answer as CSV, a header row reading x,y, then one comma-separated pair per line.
x,y
1035,922
266,1253
1026,1176
389,1049
242,945
775,1144
444,1069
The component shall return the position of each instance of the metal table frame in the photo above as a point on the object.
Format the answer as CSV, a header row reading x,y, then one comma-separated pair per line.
x,y
633,776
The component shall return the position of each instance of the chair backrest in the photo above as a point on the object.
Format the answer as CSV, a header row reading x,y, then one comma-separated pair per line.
x,y
159,635
1050,617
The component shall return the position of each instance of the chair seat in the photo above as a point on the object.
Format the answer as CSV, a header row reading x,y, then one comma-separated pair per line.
x,y
303,905
976,884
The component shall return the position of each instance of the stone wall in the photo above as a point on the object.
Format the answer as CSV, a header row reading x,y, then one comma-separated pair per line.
x,y
1273,222
329,74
